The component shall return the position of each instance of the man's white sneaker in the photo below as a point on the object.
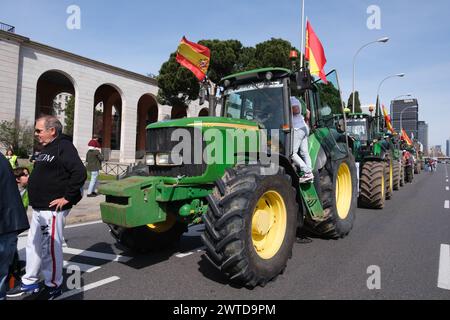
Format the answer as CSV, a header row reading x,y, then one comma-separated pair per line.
x,y
307,178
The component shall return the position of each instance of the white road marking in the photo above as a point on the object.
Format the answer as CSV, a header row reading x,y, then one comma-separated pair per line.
x,y
447,204
447,188
87,287
83,224
182,255
98,255
444,267
83,267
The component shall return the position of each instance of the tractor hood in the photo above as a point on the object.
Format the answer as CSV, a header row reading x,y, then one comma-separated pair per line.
x,y
206,122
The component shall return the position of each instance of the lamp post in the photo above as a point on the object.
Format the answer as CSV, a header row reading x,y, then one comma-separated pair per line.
x,y
403,95
381,40
377,111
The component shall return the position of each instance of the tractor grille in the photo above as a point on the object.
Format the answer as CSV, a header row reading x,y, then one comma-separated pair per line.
x,y
159,141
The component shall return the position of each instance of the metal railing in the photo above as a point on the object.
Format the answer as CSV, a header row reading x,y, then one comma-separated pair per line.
x,y
7,27
115,169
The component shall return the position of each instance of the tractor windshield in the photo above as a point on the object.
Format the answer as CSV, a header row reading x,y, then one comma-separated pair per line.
x,y
357,128
260,102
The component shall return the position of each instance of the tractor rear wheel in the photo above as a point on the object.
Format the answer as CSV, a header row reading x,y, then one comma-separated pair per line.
x,y
402,175
372,184
397,173
151,237
389,179
337,189
251,224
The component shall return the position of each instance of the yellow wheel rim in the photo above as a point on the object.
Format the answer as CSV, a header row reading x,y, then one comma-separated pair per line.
x,y
269,224
383,190
344,190
164,226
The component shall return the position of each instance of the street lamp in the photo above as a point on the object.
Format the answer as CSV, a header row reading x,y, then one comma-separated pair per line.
x,y
381,40
403,95
399,75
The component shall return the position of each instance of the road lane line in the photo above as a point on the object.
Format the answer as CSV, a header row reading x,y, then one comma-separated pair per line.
x,y
447,188
447,204
444,267
82,224
98,255
83,267
182,255
87,287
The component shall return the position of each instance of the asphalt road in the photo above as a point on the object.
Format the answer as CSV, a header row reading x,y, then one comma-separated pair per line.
x,y
407,243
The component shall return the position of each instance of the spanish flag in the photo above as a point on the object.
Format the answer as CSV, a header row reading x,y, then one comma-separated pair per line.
x,y
194,57
406,138
315,53
387,118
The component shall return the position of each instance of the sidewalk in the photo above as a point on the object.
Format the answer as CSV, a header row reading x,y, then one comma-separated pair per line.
x,y
88,209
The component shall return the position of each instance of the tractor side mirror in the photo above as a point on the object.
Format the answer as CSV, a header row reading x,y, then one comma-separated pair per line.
x,y
304,80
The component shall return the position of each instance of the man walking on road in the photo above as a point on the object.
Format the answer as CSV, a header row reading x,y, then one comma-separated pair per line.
x,y
13,221
53,187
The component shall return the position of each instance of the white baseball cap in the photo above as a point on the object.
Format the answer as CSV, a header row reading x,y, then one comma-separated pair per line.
x,y
295,102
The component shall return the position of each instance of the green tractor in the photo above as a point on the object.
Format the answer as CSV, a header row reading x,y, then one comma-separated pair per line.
x,y
246,193
377,158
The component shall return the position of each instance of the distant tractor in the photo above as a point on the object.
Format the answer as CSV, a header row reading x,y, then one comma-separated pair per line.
x,y
377,159
251,208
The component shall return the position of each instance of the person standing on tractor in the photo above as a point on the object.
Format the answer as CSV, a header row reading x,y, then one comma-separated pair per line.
x,y
301,133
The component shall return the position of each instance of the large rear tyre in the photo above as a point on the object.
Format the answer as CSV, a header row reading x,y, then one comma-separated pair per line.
x,y
251,224
402,175
389,179
397,173
151,237
336,186
372,184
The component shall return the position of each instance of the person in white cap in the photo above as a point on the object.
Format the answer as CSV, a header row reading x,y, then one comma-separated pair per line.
x,y
301,133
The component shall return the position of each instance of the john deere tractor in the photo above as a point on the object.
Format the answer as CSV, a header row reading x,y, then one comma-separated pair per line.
x,y
377,159
246,193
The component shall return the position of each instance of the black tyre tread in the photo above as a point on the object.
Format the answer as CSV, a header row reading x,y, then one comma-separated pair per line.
x,y
333,227
396,175
389,192
225,233
370,182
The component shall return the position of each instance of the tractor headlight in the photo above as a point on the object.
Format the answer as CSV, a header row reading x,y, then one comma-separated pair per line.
x,y
150,159
162,159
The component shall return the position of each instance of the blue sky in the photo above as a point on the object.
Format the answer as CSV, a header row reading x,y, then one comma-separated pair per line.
x,y
139,36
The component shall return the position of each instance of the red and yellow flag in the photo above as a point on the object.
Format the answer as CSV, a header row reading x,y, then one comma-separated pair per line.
x,y
406,138
315,53
194,57
387,118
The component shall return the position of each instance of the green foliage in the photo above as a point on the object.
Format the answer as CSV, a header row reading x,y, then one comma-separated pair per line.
x,y
19,137
69,116
357,102
178,86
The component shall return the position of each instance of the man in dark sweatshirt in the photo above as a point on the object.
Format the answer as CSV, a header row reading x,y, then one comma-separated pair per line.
x,y
53,188
13,220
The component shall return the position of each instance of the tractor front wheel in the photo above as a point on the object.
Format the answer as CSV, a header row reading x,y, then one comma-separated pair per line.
x,y
251,225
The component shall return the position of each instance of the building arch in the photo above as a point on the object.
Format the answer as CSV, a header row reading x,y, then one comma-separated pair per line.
x,y
147,111
204,112
55,95
178,112
107,117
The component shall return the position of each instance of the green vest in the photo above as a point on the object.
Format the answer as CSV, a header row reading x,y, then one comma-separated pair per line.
x,y
12,161
25,199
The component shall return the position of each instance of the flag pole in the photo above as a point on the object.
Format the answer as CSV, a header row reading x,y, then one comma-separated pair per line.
x,y
303,35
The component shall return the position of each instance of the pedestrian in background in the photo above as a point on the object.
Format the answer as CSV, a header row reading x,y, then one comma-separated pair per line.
x,y
12,158
22,175
53,187
13,221
94,160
